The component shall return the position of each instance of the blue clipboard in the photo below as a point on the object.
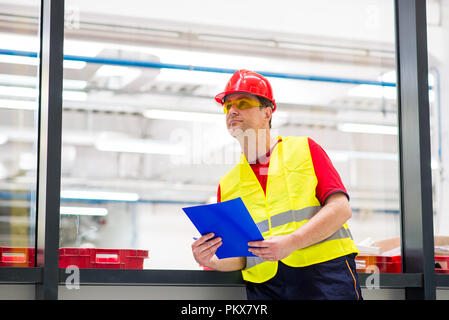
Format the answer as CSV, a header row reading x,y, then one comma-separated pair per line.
x,y
229,220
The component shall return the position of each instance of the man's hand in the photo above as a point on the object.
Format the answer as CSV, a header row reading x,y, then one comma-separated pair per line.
x,y
204,249
272,249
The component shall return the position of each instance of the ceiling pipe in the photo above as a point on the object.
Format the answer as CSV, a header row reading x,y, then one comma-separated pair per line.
x,y
160,65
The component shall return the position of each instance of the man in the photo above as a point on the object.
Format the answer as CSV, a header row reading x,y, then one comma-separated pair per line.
x,y
295,196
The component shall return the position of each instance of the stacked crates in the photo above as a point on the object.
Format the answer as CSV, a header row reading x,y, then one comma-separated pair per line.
x,y
80,257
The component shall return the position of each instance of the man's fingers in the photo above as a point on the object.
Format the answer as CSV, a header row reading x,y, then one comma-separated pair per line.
x,y
198,242
209,249
209,245
259,251
208,236
203,238
264,253
258,244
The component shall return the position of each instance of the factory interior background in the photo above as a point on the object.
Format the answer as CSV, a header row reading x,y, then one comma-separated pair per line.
x,y
143,137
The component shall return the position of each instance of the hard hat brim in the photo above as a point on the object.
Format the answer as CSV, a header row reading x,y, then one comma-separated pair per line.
x,y
220,97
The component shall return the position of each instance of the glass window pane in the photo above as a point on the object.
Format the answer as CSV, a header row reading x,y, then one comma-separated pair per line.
x,y
143,136
438,52
19,47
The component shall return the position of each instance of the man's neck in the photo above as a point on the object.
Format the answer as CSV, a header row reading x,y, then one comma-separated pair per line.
x,y
256,144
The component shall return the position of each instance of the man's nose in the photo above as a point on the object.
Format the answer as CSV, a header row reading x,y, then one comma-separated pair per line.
x,y
233,109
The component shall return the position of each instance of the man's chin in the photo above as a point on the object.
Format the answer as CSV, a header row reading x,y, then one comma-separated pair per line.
x,y
236,132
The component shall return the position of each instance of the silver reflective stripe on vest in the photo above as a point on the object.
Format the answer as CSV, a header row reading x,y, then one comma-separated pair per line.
x,y
252,261
288,216
263,226
293,215
341,233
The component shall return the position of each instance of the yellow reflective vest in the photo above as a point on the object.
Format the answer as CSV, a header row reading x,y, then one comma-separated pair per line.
x,y
289,202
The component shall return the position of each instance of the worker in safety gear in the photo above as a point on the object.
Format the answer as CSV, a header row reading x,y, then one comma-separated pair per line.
x,y
296,198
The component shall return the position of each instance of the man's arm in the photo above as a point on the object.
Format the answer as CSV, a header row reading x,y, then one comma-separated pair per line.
x,y
204,250
335,212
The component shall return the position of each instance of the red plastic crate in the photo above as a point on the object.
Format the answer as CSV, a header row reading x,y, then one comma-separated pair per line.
x,y
386,264
102,258
107,259
16,257
389,264
392,264
79,257
134,258
441,264
362,262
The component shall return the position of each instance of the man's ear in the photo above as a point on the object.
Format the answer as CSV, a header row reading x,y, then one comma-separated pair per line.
x,y
268,112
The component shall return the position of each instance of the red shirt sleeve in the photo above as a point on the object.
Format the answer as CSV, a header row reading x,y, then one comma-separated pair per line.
x,y
218,194
329,181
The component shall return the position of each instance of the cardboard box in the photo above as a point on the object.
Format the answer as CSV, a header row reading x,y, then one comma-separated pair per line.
x,y
387,256
392,246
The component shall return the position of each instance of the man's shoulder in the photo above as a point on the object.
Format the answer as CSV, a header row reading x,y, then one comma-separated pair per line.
x,y
295,140
232,171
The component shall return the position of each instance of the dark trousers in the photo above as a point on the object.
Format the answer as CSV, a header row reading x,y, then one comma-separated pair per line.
x,y
335,279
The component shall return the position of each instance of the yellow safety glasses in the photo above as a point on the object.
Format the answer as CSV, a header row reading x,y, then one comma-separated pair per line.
x,y
241,104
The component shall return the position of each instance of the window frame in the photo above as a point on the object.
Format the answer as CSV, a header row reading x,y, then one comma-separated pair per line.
x,y
418,278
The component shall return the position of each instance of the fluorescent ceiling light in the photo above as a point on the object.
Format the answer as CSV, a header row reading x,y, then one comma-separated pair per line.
x,y
3,139
113,71
389,76
22,92
16,80
345,155
368,128
4,172
74,84
27,161
83,211
338,156
139,146
372,91
193,77
18,104
82,48
434,164
19,42
74,95
99,195
19,60
71,64
184,116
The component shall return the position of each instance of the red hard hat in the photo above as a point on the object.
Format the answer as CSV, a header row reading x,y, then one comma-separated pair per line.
x,y
245,81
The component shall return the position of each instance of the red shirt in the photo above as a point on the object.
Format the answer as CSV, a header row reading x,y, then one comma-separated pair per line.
x,y
329,181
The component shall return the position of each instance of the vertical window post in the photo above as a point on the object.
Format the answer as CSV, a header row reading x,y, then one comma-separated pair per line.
x,y
49,146
414,146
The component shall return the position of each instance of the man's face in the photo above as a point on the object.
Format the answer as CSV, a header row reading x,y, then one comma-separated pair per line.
x,y
240,120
